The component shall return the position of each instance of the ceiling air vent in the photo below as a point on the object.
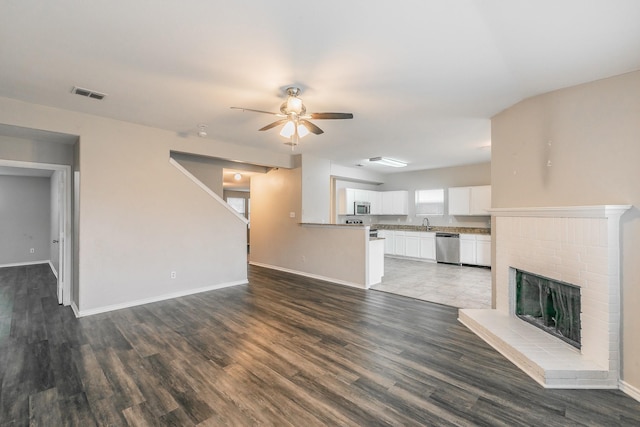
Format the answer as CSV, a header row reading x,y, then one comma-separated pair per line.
x,y
88,93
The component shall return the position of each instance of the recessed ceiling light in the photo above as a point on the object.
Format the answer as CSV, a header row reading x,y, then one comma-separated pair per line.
x,y
237,176
388,162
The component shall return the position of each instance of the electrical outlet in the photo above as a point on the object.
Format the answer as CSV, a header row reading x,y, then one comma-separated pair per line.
x,y
292,214
173,274
32,251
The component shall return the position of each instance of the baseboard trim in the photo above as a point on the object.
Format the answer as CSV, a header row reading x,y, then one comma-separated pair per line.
x,y
128,304
630,390
310,275
53,269
74,307
21,264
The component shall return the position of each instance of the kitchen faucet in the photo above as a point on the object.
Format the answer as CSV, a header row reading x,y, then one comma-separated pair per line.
x,y
427,223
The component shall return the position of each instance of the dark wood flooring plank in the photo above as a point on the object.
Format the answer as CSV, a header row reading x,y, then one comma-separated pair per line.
x,y
44,409
284,350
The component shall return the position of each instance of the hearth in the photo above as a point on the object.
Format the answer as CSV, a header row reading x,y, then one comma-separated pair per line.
x,y
550,305
573,245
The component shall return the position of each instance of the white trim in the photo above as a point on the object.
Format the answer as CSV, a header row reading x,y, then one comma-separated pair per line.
x,y
630,390
313,276
206,189
98,310
598,211
53,269
75,309
20,264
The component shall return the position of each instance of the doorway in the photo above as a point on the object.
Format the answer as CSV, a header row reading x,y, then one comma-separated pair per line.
x,y
60,255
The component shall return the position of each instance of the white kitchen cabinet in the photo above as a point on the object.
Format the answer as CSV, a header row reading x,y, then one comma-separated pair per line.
x,y
412,244
375,198
459,200
399,241
382,202
468,249
428,246
395,202
387,202
483,250
480,200
469,200
389,241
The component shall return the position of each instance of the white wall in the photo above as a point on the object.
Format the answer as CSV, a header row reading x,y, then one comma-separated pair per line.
x,y
139,217
24,219
579,146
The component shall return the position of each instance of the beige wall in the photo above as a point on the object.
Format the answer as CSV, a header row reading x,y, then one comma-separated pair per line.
x,y
338,254
579,146
139,217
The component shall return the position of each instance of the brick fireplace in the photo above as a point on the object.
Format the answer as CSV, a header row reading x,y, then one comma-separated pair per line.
x,y
577,245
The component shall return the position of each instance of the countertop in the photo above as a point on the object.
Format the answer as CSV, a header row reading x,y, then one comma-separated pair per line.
x,y
405,227
434,229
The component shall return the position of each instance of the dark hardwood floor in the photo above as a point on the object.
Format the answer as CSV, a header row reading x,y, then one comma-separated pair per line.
x,y
283,350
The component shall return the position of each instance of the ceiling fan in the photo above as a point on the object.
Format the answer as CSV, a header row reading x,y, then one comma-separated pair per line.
x,y
293,115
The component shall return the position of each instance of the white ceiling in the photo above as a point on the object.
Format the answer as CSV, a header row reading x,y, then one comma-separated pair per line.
x,y
421,77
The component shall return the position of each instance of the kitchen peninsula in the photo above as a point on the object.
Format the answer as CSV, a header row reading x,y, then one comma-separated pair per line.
x,y
372,249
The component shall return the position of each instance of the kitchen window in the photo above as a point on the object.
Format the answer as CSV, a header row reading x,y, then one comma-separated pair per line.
x,y
430,202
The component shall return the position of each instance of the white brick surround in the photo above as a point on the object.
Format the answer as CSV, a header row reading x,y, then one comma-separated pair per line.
x,y
577,245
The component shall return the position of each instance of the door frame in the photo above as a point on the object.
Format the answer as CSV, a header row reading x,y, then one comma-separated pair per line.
x,y
65,273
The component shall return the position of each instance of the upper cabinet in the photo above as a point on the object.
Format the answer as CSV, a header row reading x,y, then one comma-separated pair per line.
x,y
382,202
470,200
395,202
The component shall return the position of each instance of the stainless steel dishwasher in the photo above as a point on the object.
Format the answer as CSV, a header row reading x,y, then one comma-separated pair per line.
x,y
448,248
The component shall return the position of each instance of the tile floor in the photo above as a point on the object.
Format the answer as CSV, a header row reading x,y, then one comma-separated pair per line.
x,y
454,285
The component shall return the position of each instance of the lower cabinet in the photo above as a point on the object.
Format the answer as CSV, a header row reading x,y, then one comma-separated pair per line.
x,y
428,246
414,244
399,243
475,249
468,249
483,250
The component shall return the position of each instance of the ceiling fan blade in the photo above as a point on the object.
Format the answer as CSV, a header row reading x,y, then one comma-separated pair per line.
x,y
274,124
257,111
311,127
323,116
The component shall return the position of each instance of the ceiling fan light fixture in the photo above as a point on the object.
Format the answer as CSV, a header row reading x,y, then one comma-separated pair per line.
x,y
388,162
288,129
294,105
302,131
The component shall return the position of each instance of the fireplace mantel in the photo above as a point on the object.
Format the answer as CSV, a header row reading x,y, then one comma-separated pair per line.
x,y
574,244
596,211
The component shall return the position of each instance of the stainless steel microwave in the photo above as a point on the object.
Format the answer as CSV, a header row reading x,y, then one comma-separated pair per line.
x,y
362,208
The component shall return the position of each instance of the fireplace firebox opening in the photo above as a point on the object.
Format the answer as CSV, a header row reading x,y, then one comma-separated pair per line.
x,y
550,305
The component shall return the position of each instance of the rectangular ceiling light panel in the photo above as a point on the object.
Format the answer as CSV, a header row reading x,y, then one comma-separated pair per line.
x,y
88,93
388,162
